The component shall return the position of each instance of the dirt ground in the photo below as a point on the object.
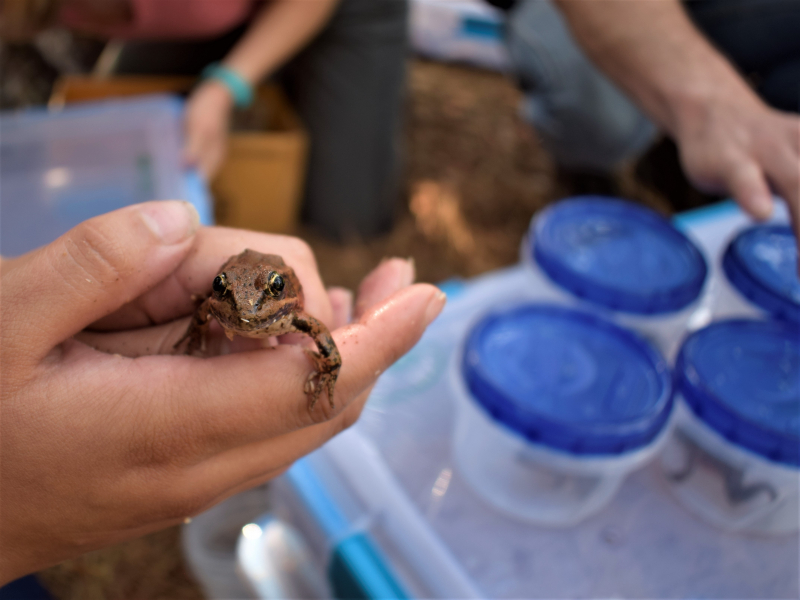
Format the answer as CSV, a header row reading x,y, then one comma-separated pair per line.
x,y
475,175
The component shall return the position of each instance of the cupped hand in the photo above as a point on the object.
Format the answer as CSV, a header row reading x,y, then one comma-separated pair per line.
x,y
102,446
738,145
206,124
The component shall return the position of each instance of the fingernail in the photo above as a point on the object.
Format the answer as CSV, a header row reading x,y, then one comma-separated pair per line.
x,y
435,306
172,221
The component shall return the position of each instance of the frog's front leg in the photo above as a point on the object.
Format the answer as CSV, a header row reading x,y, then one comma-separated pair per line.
x,y
198,328
327,361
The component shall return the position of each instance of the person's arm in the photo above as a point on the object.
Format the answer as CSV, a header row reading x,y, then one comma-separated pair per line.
x,y
281,29
730,141
277,32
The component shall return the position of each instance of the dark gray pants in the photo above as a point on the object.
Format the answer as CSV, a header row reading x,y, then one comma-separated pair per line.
x,y
347,85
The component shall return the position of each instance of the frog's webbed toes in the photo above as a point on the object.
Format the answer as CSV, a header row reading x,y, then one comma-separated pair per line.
x,y
317,383
196,342
312,390
322,379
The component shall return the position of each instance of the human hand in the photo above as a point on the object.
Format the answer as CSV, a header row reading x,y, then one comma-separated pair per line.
x,y
206,124
99,447
738,145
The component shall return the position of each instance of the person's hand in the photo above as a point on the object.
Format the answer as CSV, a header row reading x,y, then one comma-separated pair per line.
x,y
208,114
738,145
99,447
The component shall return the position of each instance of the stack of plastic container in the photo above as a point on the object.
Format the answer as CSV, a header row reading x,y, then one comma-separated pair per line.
x,y
512,452
61,168
555,408
735,455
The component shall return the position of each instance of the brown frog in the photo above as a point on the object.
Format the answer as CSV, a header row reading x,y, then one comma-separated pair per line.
x,y
257,295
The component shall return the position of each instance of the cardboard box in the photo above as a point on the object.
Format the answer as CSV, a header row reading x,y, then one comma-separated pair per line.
x,y
260,184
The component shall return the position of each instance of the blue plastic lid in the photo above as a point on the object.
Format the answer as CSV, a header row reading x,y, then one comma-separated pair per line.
x,y
761,263
567,379
617,254
742,378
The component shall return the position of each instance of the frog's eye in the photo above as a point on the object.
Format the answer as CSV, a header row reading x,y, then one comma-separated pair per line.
x,y
220,284
274,285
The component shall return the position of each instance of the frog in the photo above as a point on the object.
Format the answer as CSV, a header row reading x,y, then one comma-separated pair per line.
x,y
258,295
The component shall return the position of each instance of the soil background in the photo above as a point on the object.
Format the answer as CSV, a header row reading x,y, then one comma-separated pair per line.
x,y
474,176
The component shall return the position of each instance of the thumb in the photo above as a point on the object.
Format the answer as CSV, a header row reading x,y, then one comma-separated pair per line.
x,y
92,270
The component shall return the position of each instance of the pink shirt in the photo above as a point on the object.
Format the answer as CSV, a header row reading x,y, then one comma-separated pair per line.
x,y
168,19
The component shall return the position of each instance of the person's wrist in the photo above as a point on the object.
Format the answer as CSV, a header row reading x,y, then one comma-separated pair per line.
x,y
218,93
239,89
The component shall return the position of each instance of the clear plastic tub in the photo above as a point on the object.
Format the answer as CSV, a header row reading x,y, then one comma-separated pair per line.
x,y
735,454
556,407
760,267
385,511
61,168
463,31
209,544
620,260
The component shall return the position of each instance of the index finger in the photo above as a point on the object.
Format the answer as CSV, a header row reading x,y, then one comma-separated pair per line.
x,y
176,295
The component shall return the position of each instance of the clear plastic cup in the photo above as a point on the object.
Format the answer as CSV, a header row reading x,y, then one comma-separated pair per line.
x,y
555,408
760,267
623,261
734,458
61,168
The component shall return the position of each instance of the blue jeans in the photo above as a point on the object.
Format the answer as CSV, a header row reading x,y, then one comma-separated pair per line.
x,y
587,123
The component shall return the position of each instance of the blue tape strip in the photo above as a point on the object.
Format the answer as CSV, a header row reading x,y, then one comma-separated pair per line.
x,y
477,27
318,502
357,568
196,193
697,216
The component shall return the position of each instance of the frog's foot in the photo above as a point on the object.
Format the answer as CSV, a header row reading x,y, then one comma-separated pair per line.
x,y
196,331
197,340
323,378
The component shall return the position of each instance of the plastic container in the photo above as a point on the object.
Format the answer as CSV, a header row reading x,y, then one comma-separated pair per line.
x,y
210,541
735,455
61,168
385,510
760,267
622,261
556,408
463,31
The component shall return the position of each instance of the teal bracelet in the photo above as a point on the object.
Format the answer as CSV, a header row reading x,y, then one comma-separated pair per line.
x,y
241,91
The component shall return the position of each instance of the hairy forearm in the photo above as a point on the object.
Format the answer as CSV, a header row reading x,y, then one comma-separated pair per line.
x,y
281,29
654,52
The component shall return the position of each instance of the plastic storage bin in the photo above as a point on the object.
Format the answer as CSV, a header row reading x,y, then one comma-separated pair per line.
x,y
556,407
465,31
384,510
209,544
620,260
61,168
735,455
760,267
